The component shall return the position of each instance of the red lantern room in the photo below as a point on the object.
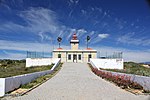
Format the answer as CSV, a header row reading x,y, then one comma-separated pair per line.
x,y
74,37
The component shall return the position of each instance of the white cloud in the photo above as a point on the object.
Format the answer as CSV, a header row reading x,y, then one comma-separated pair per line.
x,y
92,33
20,48
102,36
81,32
99,9
92,8
70,14
25,46
28,46
71,1
41,35
129,39
44,36
11,27
74,1
43,23
97,38
10,55
36,20
40,19
83,12
4,6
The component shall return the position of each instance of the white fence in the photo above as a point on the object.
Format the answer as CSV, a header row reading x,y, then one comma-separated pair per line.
x,y
11,83
107,63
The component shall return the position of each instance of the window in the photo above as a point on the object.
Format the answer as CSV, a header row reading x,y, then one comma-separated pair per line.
x,y
59,55
90,56
69,57
79,57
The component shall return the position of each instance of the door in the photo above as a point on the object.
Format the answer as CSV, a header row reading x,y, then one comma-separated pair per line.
x,y
74,58
89,56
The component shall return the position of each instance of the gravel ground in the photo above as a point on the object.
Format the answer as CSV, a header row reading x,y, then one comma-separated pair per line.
x,y
75,81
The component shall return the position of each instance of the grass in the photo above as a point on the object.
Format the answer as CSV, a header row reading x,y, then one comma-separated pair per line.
x,y
41,79
133,68
10,68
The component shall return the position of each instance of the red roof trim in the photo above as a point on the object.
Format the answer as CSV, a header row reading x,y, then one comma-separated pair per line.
x,y
59,48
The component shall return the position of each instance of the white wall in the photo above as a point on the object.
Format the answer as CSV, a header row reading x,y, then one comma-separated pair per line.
x,y
14,82
2,86
56,62
39,61
107,63
11,83
142,80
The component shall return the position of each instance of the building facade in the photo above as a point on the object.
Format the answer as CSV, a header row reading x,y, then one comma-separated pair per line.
x,y
74,54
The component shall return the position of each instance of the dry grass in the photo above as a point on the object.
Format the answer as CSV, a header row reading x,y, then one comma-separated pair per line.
x,y
42,79
10,68
133,68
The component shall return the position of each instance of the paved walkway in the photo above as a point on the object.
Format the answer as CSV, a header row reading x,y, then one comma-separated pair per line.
x,y
75,81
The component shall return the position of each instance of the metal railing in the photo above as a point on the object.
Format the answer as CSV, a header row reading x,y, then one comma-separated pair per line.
x,y
34,54
106,55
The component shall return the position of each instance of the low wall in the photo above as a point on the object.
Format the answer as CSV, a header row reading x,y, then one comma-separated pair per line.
x,y
2,87
107,63
39,61
11,83
56,63
142,80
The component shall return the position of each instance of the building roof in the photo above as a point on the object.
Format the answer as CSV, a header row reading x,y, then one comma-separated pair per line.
x,y
89,49
59,50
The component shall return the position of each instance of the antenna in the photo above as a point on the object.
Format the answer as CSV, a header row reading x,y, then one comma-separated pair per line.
x,y
59,39
88,38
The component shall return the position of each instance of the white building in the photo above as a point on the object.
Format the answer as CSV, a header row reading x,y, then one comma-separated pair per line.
x,y
74,54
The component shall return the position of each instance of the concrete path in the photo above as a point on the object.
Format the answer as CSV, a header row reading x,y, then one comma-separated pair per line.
x,y
75,81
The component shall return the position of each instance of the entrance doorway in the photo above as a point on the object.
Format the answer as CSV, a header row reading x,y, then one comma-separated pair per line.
x,y
74,58
89,56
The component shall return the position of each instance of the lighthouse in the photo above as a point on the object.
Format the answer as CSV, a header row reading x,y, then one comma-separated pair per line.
x,y
74,42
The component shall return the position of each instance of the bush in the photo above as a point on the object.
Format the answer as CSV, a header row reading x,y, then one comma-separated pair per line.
x,y
122,81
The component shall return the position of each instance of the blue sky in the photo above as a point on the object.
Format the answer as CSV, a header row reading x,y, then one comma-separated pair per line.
x,y
113,25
